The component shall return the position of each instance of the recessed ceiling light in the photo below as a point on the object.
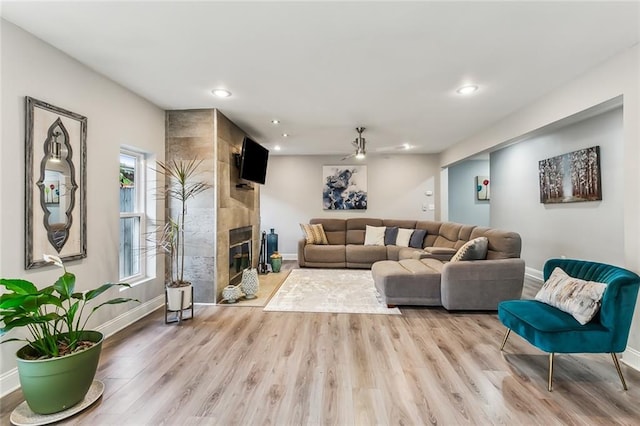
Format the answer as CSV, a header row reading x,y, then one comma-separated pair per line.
x,y
407,145
221,93
285,135
275,121
277,148
467,90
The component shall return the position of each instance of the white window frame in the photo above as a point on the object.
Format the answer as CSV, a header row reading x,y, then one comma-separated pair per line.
x,y
140,212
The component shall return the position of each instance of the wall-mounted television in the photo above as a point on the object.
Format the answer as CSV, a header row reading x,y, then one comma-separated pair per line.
x,y
253,161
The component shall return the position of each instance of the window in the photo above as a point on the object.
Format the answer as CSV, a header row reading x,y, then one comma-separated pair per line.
x,y
132,216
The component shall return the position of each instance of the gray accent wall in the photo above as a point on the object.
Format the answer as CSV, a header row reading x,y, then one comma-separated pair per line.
x,y
397,186
586,230
464,207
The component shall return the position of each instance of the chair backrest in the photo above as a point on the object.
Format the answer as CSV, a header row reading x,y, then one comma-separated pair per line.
x,y
618,301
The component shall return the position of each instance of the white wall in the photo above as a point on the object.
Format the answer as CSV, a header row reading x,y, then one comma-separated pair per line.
x,y
116,117
464,206
615,77
293,192
575,230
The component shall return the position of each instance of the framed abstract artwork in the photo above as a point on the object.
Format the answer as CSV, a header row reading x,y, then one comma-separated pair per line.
x,y
344,187
572,177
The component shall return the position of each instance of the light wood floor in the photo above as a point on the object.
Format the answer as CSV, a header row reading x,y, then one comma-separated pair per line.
x,y
248,367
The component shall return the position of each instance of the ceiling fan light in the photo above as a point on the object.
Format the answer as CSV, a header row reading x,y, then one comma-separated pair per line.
x,y
360,156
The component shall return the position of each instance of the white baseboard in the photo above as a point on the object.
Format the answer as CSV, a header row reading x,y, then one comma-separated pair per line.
x,y
533,274
631,357
289,256
10,381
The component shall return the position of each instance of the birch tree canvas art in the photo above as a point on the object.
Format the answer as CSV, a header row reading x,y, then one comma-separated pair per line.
x,y
571,177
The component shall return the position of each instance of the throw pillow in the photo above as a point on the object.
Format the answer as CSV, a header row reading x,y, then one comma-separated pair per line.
x,y
475,249
574,296
404,236
390,235
314,234
417,238
374,235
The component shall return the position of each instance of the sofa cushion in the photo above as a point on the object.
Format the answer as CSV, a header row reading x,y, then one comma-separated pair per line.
x,y
365,255
404,236
390,235
314,253
374,236
475,249
417,238
502,244
356,228
579,298
334,229
314,234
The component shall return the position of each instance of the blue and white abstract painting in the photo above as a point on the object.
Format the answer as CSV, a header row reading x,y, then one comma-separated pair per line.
x,y
345,187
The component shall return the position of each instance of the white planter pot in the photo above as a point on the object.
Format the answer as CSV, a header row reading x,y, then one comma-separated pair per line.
x,y
175,295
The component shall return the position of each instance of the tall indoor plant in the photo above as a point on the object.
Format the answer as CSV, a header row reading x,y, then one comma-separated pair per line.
x,y
181,185
57,365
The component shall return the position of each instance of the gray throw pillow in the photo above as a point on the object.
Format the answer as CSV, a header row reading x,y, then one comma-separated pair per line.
x,y
417,238
475,249
390,235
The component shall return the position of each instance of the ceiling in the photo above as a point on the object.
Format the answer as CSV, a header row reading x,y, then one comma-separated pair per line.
x,y
325,68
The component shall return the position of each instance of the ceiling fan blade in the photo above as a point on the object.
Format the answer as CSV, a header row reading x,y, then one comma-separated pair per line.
x,y
348,156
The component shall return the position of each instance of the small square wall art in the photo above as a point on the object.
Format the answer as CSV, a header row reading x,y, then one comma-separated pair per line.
x,y
344,187
482,188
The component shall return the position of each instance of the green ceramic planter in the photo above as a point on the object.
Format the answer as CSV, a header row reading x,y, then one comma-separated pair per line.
x,y
55,384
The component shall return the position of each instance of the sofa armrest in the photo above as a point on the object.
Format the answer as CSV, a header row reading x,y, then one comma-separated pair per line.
x,y
301,244
481,284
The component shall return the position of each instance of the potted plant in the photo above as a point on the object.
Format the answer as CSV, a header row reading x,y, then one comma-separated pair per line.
x,y
181,185
57,365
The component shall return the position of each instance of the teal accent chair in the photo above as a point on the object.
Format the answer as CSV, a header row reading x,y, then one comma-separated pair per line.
x,y
555,331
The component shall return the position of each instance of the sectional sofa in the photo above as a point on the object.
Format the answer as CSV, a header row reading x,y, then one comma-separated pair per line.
x,y
424,275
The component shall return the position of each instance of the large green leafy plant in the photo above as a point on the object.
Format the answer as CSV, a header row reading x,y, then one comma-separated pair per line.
x,y
54,315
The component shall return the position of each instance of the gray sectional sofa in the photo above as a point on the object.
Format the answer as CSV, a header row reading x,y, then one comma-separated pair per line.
x,y
424,276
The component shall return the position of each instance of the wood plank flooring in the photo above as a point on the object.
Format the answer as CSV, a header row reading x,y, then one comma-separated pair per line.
x,y
233,366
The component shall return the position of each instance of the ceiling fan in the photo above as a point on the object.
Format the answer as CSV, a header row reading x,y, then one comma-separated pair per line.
x,y
360,145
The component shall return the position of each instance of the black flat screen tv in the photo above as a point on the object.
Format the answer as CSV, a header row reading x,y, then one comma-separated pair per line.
x,y
253,161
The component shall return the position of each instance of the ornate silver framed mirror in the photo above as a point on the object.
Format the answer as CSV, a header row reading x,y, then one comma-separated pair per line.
x,y
55,199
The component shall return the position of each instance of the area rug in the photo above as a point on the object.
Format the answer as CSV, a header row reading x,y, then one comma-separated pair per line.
x,y
329,290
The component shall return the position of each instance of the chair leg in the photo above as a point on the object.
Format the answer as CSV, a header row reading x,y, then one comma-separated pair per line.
x,y
506,336
550,387
617,364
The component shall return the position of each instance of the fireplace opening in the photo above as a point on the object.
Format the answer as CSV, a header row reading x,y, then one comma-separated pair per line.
x,y
240,243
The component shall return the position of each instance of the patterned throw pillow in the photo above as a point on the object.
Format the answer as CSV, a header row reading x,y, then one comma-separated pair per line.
x,y
574,296
314,233
374,235
475,249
